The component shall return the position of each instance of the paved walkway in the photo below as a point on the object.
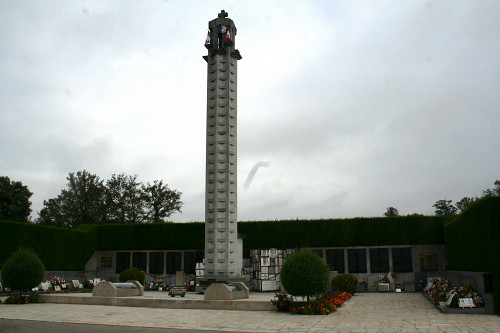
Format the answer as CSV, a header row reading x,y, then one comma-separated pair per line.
x,y
367,312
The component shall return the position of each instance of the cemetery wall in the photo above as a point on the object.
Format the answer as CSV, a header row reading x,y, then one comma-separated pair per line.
x,y
473,241
408,263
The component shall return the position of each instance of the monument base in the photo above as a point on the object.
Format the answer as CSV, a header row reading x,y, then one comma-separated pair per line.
x,y
226,292
205,282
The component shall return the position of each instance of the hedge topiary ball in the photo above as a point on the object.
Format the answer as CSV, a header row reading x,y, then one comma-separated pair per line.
x,y
23,270
305,274
345,282
132,274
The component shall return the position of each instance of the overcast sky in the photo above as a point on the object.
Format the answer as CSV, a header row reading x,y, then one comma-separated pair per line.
x,y
348,107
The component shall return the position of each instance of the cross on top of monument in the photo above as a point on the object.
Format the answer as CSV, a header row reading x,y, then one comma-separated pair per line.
x,y
222,14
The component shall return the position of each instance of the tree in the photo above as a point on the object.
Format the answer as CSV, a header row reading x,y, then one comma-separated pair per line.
x,y
160,201
121,199
15,204
444,208
23,270
124,199
84,199
493,192
464,203
391,211
305,274
53,213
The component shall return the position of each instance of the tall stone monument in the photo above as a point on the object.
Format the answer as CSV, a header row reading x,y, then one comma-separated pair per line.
x,y
223,248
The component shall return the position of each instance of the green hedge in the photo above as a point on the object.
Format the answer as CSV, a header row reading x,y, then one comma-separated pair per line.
x,y
472,241
70,249
156,236
408,230
58,248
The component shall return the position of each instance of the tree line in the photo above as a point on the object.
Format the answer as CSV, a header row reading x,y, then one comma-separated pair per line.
x,y
446,207
87,199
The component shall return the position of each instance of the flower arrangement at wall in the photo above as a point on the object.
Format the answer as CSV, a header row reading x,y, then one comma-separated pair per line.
x,y
363,283
322,305
87,284
467,291
56,281
441,290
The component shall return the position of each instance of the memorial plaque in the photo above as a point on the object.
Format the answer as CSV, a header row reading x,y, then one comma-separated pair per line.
x,y
466,303
177,291
264,261
269,285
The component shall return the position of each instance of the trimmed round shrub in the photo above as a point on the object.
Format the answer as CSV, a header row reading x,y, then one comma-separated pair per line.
x,y
304,274
345,282
132,274
23,270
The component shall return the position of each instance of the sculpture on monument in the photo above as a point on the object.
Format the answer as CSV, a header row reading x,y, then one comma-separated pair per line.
x,y
223,248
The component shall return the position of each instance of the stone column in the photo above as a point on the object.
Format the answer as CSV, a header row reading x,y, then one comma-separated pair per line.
x,y
221,232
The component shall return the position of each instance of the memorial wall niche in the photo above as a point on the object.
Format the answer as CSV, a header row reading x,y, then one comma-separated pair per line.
x,y
266,268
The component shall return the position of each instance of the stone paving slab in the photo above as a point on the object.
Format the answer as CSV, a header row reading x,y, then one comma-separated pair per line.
x,y
367,312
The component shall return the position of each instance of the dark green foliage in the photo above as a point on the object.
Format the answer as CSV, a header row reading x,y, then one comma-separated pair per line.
x,y
15,204
304,274
124,199
444,208
77,245
473,240
83,201
88,200
23,270
21,299
490,192
132,274
160,201
391,211
399,230
157,236
464,203
345,282
58,248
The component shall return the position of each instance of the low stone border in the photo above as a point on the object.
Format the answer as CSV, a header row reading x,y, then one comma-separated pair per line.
x,y
166,303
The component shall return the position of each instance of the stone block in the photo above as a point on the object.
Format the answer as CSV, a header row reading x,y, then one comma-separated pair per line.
x,y
108,289
409,286
222,291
